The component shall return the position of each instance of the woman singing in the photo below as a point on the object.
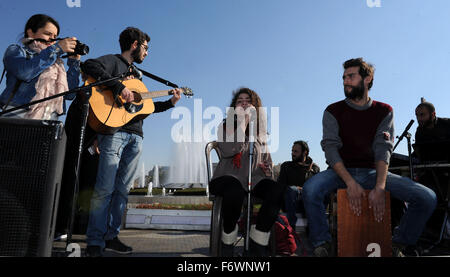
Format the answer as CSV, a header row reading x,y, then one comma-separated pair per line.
x,y
230,179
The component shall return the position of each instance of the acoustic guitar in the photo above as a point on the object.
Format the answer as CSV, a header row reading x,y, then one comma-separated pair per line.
x,y
108,113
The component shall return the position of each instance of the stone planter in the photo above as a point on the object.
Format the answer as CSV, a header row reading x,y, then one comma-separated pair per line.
x,y
168,219
134,200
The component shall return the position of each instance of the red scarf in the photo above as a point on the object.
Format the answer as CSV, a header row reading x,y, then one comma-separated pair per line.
x,y
237,160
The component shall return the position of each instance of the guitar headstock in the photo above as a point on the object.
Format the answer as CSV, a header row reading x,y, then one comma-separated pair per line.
x,y
187,91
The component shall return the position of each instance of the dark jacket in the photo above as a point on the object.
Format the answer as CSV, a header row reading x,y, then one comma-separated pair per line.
x,y
440,131
433,144
295,174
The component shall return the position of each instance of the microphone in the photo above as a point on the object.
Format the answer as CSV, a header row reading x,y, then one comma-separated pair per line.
x,y
404,133
135,72
409,125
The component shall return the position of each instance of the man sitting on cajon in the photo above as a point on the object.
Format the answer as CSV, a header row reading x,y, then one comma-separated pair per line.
x,y
358,138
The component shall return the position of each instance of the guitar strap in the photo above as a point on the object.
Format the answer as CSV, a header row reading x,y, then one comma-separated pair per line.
x,y
156,78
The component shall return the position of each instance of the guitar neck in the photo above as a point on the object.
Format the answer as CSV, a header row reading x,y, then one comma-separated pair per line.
x,y
155,94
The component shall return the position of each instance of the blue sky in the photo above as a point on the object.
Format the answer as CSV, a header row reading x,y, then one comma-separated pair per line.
x,y
289,51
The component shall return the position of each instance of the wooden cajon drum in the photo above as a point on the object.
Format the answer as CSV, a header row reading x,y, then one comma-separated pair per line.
x,y
362,236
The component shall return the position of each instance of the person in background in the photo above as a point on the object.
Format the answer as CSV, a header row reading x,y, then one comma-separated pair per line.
x,y
293,174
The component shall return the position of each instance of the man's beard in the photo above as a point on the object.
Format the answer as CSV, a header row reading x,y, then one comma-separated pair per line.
x,y
356,93
428,123
298,159
136,55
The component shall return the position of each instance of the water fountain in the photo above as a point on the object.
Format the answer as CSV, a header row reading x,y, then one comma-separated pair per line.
x,y
156,176
142,177
189,166
150,189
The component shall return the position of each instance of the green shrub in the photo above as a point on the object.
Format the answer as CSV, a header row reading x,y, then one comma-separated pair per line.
x,y
177,192
143,191
190,192
198,207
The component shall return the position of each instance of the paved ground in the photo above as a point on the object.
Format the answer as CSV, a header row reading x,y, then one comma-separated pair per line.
x,y
170,243
156,243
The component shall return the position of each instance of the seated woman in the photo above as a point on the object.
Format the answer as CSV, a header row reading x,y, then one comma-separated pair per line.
x,y
35,70
230,179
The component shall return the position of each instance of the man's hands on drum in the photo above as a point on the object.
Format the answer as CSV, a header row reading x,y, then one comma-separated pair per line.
x,y
376,198
377,202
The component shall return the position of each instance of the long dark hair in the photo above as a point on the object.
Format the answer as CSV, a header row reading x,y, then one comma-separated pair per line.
x,y
255,100
38,21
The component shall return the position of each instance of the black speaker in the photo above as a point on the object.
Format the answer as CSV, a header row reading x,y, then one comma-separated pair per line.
x,y
31,164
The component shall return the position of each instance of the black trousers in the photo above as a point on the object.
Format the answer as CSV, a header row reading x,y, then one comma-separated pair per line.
x,y
87,175
234,194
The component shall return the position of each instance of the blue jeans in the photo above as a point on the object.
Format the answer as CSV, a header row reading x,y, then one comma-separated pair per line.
x,y
119,157
421,203
292,203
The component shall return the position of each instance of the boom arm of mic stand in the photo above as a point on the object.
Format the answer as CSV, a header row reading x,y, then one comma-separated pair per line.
x,y
78,89
405,133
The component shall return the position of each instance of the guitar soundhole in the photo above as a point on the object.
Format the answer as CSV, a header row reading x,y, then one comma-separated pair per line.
x,y
137,97
132,108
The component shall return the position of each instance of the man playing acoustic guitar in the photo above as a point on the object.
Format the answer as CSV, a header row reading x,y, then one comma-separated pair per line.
x,y
119,152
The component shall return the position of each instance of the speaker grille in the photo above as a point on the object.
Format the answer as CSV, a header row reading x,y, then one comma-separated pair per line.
x,y
28,183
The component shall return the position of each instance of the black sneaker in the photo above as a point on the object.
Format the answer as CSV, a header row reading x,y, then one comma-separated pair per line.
x,y
323,250
94,251
117,246
412,251
397,250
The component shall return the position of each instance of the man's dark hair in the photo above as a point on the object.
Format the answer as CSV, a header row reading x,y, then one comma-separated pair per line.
x,y
365,69
129,35
303,145
428,106
38,21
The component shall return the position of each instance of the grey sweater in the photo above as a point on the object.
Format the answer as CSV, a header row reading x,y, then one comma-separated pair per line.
x,y
358,136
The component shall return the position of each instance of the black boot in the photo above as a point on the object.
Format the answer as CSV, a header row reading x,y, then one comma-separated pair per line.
x,y
258,243
227,250
228,241
257,250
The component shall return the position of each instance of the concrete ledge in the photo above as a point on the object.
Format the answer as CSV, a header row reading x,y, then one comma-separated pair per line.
x,y
179,220
134,200
168,219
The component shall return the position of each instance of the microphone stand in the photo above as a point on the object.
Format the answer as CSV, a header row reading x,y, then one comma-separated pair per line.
x,y
251,140
86,91
408,138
